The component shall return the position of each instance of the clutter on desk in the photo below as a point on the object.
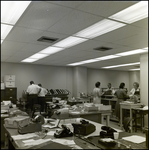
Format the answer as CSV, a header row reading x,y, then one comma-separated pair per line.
x,y
14,122
64,132
83,127
34,125
108,141
107,132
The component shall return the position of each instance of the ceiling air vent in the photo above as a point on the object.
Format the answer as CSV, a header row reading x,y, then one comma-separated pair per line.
x,y
47,39
102,48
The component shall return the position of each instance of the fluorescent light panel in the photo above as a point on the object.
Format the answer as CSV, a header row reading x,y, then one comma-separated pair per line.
x,y
138,51
2,41
133,13
99,28
5,29
122,65
135,69
146,48
70,41
38,56
51,50
108,57
11,11
29,60
84,62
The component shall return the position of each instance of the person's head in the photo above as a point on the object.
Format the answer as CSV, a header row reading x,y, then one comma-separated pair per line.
x,y
135,85
39,85
109,85
97,84
31,82
122,85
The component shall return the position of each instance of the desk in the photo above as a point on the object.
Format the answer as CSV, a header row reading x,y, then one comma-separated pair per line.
x,y
141,112
96,116
78,143
125,105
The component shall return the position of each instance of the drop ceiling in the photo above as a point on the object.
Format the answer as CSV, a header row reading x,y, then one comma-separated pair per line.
x,y
60,19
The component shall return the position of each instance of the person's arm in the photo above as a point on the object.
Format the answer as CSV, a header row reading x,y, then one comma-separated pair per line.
x,y
125,95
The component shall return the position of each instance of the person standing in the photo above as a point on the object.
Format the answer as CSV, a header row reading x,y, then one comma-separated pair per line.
x,y
122,96
97,94
110,90
33,90
41,97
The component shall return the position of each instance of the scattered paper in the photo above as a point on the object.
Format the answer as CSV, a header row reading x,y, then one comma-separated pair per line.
x,y
4,111
24,136
51,133
37,142
64,141
28,141
135,139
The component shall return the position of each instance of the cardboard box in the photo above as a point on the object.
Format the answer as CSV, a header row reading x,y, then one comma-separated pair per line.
x,y
14,122
9,78
105,107
10,84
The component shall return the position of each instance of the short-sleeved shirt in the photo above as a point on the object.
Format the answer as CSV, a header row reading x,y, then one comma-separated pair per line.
x,y
33,89
43,92
97,96
132,92
121,94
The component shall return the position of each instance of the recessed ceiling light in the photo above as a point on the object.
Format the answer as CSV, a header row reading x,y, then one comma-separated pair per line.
x,y
146,48
138,51
29,60
5,29
11,11
38,56
122,65
133,13
107,57
51,50
99,28
70,41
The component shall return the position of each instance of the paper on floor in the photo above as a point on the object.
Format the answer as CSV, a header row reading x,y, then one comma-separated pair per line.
x,y
135,139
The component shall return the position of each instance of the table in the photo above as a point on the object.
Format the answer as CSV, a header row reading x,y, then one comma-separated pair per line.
x,y
142,112
96,116
79,143
130,106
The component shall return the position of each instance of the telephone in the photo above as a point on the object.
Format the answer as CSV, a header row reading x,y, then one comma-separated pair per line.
x,y
83,128
107,132
64,132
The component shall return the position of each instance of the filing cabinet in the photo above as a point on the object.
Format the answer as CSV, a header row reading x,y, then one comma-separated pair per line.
x,y
10,80
11,94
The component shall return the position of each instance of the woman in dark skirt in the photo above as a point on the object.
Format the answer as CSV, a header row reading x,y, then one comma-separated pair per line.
x,y
122,96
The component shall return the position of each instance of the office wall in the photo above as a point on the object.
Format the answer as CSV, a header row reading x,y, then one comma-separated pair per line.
x,y
80,81
134,76
144,82
50,77
106,76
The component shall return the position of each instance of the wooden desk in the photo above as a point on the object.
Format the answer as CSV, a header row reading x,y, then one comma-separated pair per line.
x,y
130,106
96,116
18,144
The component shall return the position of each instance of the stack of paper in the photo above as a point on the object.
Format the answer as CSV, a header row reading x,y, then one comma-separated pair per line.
x,y
135,139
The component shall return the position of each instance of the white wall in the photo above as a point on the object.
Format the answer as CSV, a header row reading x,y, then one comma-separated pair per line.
x,y
134,76
80,80
50,77
144,82
106,76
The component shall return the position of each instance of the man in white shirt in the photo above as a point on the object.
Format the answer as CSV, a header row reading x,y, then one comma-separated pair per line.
x,y
41,97
110,90
33,90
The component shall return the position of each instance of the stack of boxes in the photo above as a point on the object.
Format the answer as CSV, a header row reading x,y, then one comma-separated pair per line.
x,y
10,81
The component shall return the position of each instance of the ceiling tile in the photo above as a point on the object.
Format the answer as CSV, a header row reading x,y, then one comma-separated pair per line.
x,y
41,15
74,22
104,8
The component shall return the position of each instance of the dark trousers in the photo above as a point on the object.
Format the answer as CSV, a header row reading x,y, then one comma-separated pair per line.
x,y
32,99
41,101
